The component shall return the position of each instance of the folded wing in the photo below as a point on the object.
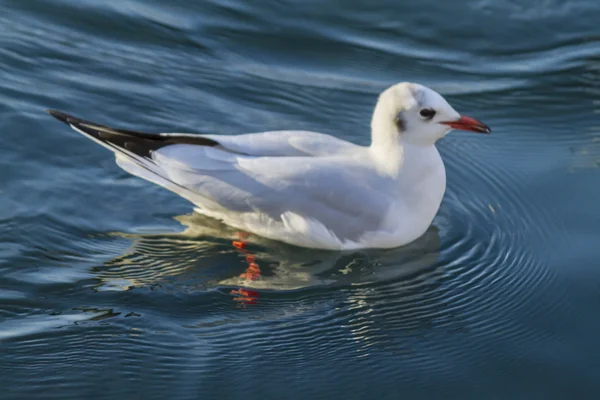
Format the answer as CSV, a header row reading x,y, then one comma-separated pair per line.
x,y
275,174
342,195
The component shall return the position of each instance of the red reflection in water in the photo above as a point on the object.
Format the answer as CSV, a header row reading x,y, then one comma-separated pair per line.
x,y
252,273
245,296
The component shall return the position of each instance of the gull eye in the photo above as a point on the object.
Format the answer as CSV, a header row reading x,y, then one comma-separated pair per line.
x,y
427,113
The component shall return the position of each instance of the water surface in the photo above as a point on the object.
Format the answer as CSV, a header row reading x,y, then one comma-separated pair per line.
x,y
110,287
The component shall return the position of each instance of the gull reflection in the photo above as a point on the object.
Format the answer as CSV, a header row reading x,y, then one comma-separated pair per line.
x,y
202,256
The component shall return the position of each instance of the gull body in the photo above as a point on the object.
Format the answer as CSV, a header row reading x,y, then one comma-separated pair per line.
x,y
307,188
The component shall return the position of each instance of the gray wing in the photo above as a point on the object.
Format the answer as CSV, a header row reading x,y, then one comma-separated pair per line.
x,y
307,173
284,143
341,193
272,143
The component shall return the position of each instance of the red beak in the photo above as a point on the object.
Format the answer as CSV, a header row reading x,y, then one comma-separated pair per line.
x,y
468,124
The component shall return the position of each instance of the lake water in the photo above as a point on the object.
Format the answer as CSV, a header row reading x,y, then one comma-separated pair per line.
x,y
111,288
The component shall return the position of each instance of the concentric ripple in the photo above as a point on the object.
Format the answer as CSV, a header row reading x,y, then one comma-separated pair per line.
x,y
111,287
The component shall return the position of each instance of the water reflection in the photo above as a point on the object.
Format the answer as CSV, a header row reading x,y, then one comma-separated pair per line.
x,y
202,257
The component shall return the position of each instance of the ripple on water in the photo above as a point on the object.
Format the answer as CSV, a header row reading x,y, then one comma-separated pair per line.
x,y
153,308
354,296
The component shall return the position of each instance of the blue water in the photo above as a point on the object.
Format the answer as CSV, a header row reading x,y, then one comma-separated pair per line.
x,y
110,287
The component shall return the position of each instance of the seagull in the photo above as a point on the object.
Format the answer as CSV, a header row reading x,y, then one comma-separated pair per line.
x,y
306,188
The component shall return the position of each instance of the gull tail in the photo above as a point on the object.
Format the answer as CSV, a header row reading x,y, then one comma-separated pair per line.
x,y
133,150
131,143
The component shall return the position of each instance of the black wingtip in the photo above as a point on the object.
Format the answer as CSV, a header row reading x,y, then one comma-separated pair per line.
x,y
61,116
139,143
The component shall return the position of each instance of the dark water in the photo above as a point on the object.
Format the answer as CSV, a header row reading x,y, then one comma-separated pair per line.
x,y
110,287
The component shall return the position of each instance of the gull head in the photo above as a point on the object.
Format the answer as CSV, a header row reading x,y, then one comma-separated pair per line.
x,y
414,113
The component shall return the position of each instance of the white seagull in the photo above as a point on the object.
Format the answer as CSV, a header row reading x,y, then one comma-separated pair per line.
x,y
305,188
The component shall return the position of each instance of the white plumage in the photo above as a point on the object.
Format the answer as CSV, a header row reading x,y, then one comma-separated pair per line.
x,y
306,188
